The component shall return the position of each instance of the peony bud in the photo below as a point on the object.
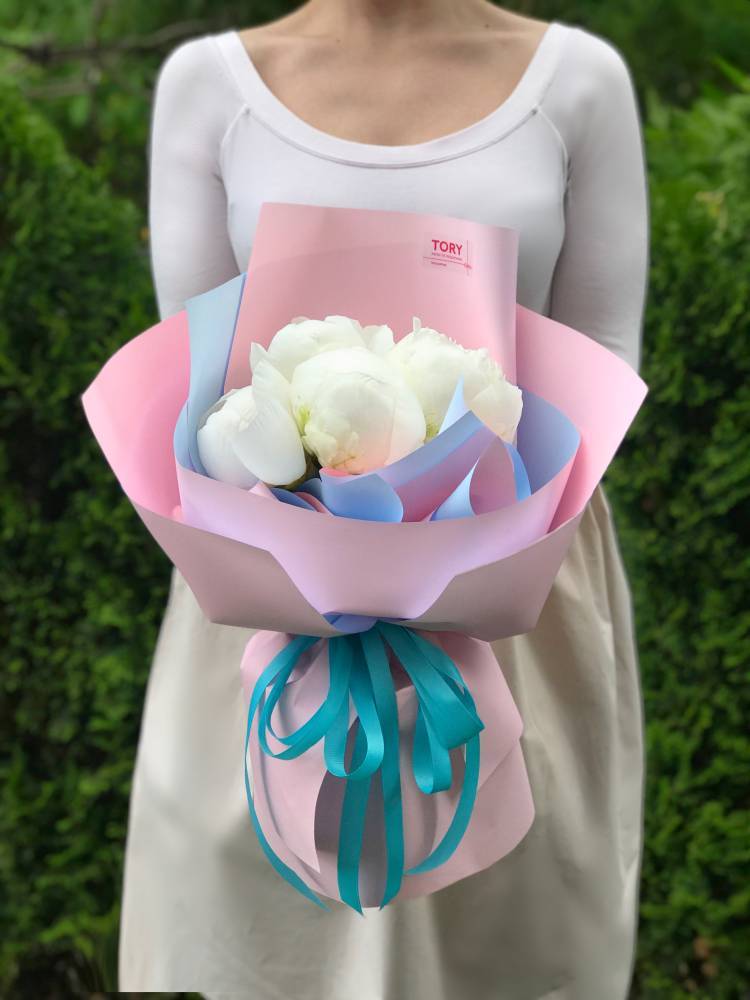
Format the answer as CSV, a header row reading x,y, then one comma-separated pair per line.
x,y
432,364
303,338
354,411
250,434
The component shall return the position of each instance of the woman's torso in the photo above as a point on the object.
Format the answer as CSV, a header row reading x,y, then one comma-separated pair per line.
x,y
202,907
507,168
394,83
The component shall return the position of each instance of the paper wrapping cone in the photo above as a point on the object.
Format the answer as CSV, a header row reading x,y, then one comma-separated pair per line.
x,y
253,561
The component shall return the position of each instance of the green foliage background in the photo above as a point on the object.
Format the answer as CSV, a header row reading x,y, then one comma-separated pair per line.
x,y
83,587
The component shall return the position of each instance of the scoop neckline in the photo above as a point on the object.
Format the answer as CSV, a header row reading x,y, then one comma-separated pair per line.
x,y
521,103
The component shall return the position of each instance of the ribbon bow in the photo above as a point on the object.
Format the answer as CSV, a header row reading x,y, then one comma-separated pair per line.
x,y
446,719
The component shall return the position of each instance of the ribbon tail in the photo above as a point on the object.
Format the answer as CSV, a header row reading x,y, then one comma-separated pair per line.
x,y
352,829
283,662
461,817
446,719
376,660
284,870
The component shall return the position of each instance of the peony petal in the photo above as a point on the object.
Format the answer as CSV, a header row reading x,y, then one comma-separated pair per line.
x,y
499,406
378,339
216,430
258,353
304,338
270,445
269,383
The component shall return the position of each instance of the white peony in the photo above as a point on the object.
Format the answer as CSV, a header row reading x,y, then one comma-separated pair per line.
x,y
250,434
303,338
354,410
432,364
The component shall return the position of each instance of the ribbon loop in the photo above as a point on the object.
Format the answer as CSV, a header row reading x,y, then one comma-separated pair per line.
x,y
369,759
339,670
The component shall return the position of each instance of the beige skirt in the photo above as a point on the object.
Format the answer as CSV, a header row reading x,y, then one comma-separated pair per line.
x,y
203,910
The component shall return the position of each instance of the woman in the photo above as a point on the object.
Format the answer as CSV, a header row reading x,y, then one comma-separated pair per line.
x,y
462,109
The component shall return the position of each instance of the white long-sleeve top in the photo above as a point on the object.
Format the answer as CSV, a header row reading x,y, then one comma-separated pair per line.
x,y
561,160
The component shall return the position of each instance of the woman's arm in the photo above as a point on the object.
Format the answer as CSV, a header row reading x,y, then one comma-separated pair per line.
x,y
600,280
193,105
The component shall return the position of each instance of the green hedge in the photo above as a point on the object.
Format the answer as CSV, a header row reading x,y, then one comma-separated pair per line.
x,y
680,489
86,586
82,585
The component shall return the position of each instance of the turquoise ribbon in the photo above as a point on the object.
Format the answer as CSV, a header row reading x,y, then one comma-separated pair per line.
x,y
359,670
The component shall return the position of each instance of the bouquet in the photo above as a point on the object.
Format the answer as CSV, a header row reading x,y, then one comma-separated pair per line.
x,y
380,499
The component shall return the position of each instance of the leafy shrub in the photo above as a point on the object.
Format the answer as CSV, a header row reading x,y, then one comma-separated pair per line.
x,y
680,489
82,587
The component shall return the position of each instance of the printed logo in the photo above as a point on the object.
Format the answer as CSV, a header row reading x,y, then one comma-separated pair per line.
x,y
446,252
